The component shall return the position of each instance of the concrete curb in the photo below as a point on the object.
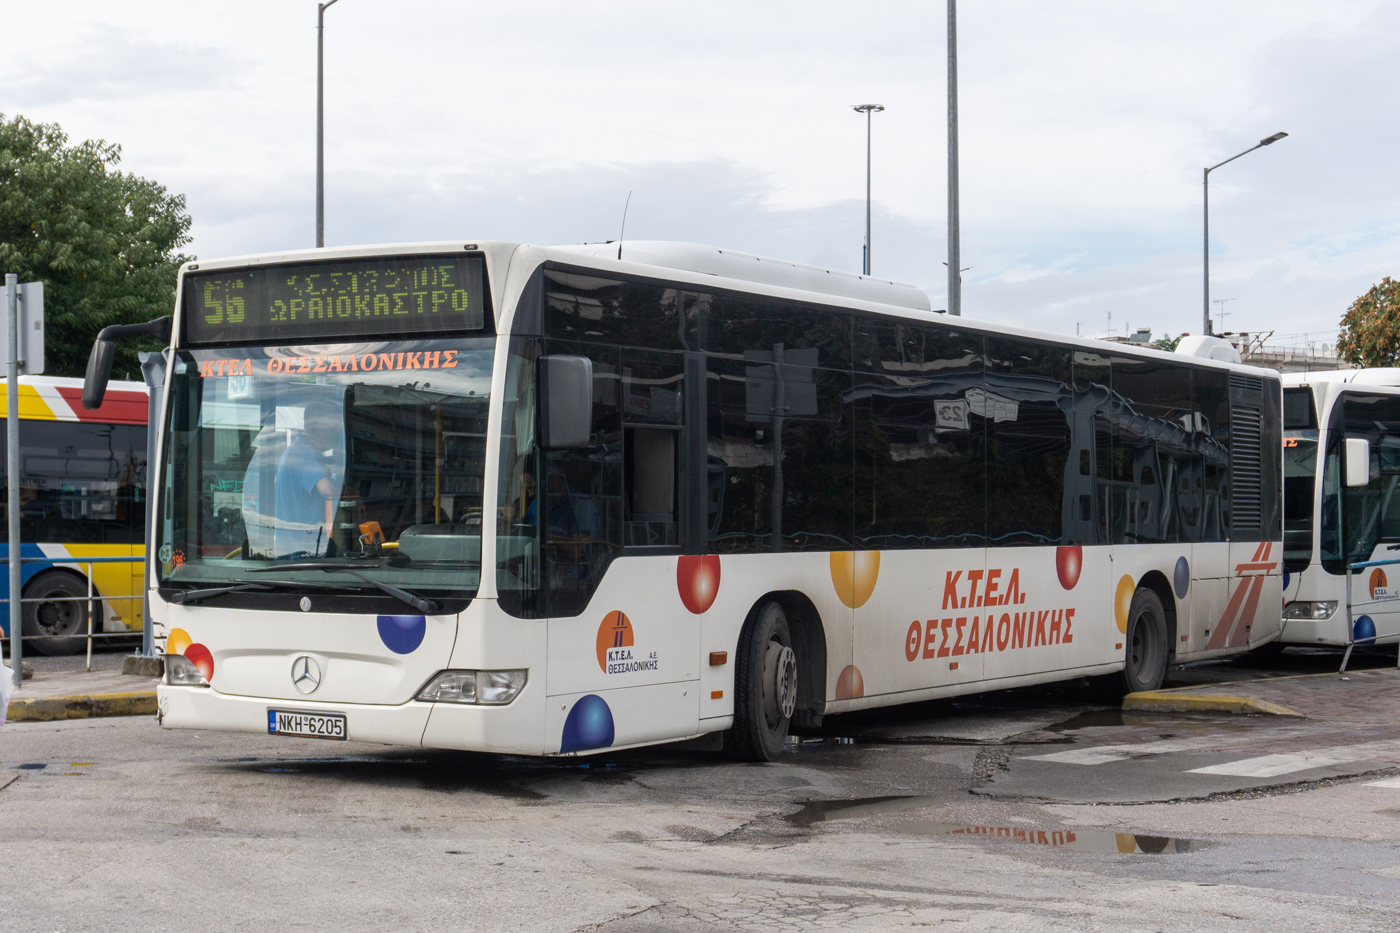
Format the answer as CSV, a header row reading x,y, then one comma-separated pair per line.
x,y
82,706
1165,701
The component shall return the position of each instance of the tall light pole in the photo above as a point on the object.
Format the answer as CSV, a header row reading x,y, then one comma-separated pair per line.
x,y
1205,184
954,247
321,122
867,109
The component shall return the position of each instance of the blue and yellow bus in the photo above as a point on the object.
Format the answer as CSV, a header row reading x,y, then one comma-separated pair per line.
x,y
82,496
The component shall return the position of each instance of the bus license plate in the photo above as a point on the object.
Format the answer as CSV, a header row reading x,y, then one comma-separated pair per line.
x,y
306,725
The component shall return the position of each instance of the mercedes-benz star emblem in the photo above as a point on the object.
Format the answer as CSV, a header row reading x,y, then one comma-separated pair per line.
x,y
306,604
306,674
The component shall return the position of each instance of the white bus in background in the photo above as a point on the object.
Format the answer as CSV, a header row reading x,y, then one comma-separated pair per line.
x,y
1334,422
552,501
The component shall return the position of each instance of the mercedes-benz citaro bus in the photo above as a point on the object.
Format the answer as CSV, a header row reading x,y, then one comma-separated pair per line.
x,y
1339,423
552,501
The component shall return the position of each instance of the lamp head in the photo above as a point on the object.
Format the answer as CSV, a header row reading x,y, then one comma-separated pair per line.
x,y
868,108
1270,140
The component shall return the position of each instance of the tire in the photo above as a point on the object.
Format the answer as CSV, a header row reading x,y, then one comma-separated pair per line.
x,y
1145,645
765,686
55,627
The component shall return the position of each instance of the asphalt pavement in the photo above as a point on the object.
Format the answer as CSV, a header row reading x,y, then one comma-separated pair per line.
x,y
939,813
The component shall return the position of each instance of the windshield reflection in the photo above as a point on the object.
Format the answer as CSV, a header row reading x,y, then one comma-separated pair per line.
x,y
360,455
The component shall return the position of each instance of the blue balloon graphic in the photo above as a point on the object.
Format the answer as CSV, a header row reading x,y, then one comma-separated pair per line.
x,y
402,634
1286,577
1181,579
588,725
1364,632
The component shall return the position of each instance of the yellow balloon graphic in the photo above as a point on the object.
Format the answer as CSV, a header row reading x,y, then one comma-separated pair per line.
x,y
1123,602
1127,842
853,574
177,641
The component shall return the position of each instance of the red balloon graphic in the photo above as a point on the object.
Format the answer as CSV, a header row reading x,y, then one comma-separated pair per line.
x,y
1068,562
202,658
697,578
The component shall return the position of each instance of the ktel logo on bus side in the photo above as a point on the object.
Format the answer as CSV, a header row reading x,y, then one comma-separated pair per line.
x,y
954,636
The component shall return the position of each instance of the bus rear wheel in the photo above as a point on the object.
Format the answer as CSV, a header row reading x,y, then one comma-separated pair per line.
x,y
1145,650
57,624
765,686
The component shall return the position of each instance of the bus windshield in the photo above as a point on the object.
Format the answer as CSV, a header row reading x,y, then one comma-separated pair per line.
x,y
362,456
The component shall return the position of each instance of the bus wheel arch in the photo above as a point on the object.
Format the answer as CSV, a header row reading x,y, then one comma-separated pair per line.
x,y
1156,581
809,643
774,656
59,627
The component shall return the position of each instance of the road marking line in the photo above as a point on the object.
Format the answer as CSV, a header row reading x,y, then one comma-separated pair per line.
x,y
1274,765
1101,754
1384,782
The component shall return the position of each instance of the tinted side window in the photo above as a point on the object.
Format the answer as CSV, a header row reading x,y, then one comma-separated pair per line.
x,y
600,310
1028,423
78,483
920,447
779,442
1155,447
734,326
1210,397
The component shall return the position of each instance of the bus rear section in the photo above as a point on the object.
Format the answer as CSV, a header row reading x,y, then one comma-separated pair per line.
x,y
82,498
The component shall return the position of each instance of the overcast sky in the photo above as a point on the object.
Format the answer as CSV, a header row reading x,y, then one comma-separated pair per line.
x,y
1085,126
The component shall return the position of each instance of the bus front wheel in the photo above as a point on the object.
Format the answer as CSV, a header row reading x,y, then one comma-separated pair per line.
x,y
765,686
57,622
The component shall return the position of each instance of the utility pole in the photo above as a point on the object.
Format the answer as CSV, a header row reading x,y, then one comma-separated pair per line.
x,y
867,109
321,122
954,252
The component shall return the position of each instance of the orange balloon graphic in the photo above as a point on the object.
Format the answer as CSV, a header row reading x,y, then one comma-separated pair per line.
x,y
615,631
1377,580
1126,842
697,579
850,684
1123,602
177,641
853,574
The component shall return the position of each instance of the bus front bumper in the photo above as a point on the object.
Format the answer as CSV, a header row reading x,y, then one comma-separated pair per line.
x,y
515,728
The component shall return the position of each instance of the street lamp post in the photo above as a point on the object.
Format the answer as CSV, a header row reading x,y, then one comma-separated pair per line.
x,y
321,122
954,220
1205,266
867,109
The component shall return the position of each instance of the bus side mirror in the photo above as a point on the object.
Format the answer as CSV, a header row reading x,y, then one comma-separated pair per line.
x,y
1358,462
104,348
566,401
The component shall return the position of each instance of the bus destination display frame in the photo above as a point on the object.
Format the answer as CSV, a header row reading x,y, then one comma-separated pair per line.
x,y
385,296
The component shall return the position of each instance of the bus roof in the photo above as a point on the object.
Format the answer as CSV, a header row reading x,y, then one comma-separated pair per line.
x,y
1376,376
56,398
700,265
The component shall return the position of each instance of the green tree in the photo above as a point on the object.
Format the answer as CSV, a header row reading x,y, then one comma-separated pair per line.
x,y
1371,327
1166,344
103,242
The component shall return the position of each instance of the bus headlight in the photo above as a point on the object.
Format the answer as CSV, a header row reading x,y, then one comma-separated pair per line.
x,y
1316,611
181,672
488,688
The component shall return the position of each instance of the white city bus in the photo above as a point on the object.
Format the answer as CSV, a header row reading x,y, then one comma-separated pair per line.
x,y
552,501
1336,421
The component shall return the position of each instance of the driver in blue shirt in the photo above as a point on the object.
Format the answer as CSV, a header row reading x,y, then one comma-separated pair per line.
x,y
306,493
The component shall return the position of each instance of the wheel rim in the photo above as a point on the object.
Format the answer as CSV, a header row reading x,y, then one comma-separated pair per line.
x,y
57,618
779,683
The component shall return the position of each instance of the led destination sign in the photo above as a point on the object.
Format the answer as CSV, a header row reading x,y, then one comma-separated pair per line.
x,y
383,296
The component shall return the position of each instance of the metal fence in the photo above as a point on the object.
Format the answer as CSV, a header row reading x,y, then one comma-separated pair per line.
x,y
93,600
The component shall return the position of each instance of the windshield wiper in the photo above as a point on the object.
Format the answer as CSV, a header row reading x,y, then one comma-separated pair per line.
x,y
194,596
425,606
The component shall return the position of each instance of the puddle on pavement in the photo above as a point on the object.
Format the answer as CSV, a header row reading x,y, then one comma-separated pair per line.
x,y
817,811
1078,840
